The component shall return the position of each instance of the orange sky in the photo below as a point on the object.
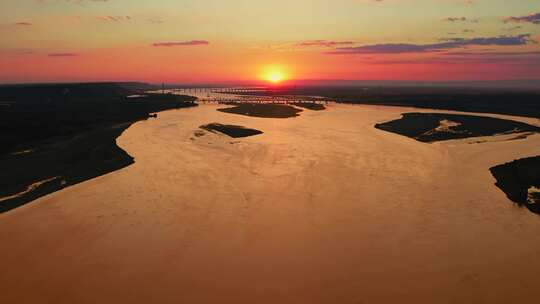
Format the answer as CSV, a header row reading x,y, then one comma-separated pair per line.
x,y
213,41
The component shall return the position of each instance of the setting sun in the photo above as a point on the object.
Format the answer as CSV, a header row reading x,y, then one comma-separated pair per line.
x,y
275,77
274,74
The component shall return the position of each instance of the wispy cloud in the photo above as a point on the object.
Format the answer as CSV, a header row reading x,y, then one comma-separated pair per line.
x,y
512,28
323,43
114,18
533,18
63,55
460,58
181,43
445,44
491,53
460,19
156,20
16,52
15,26
455,19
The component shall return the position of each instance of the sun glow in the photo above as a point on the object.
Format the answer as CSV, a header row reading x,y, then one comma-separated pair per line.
x,y
275,77
274,74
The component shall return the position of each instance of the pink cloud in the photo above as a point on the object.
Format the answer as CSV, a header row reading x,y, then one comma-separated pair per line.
x,y
181,43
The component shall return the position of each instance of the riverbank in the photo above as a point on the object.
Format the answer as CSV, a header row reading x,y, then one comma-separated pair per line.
x,y
52,140
60,164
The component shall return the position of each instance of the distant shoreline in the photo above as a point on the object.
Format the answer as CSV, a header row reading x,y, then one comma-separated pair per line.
x,y
489,101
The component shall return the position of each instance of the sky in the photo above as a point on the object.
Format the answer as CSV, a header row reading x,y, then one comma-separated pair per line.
x,y
204,41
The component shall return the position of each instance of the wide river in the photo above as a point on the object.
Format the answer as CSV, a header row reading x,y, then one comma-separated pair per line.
x,y
321,208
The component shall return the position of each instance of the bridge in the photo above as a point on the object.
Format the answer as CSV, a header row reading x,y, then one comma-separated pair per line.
x,y
227,96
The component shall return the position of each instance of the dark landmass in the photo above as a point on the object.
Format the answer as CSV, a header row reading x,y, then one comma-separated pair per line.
x,y
60,92
46,111
66,133
431,127
482,100
516,179
61,164
263,110
231,130
309,105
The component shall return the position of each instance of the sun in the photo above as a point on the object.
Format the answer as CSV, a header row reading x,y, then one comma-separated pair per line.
x,y
274,74
275,77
